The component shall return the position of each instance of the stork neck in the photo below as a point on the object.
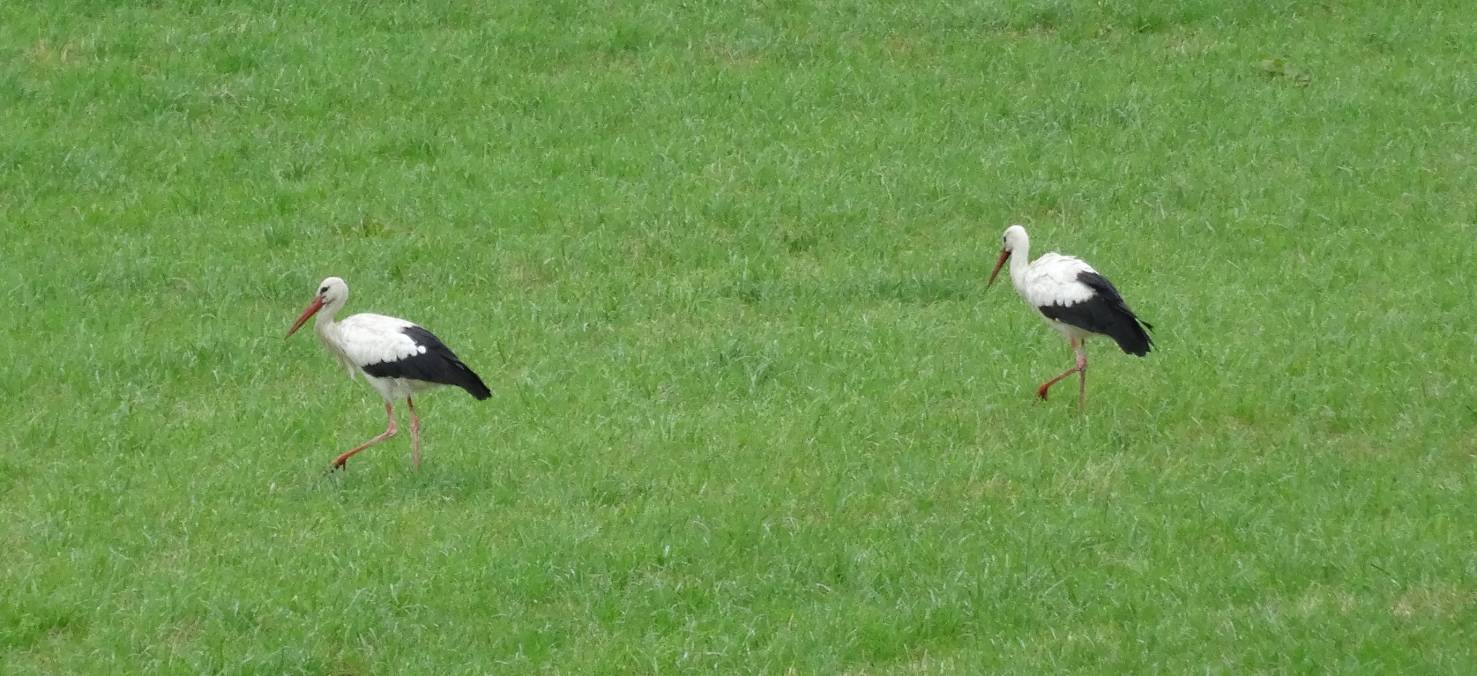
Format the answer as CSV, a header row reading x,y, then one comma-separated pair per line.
x,y
325,322
1020,259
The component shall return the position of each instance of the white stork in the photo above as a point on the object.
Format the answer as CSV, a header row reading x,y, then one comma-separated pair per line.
x,y
397,357
1075,300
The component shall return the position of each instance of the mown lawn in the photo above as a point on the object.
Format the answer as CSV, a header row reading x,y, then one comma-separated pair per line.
x,y
723,266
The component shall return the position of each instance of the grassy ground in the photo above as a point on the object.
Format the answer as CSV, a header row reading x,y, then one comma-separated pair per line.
x,y
723,265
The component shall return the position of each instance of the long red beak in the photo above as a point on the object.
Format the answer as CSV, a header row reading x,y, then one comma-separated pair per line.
x,y
312,309
998,264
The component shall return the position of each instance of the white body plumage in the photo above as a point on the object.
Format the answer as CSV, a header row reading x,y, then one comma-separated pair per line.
x,y
365,339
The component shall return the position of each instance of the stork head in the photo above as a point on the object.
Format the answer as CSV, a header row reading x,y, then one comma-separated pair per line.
x,y
1014,238
332,292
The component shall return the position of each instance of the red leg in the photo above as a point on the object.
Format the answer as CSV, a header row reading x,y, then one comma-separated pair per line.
x,y
1082,374
1081,364
390,431
415,435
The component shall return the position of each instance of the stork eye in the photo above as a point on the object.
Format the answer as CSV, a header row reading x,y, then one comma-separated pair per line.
x,y
323,290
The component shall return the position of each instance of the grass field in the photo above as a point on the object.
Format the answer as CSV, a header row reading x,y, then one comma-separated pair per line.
x,y
723,266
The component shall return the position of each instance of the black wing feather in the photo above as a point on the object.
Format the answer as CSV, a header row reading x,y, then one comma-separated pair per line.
x,y
436,365
1104,313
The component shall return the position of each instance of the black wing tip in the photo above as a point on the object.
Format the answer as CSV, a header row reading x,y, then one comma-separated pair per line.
x,y
472,383
468,380
1138,344
478,390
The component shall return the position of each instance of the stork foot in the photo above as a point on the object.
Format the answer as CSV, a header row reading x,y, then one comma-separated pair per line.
x,y
341,462
1041,391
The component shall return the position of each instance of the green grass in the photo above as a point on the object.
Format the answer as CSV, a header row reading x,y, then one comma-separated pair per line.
x,y
723,266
